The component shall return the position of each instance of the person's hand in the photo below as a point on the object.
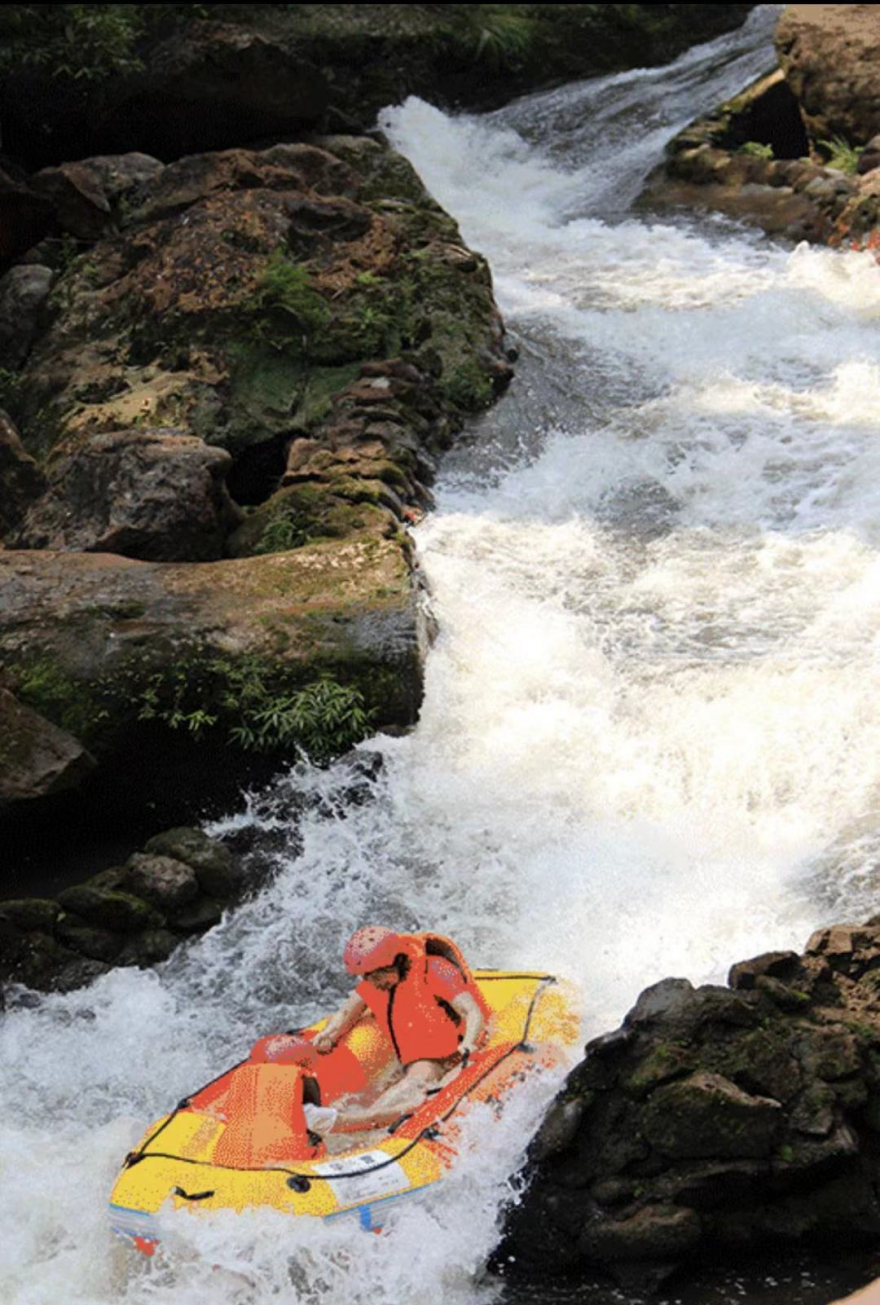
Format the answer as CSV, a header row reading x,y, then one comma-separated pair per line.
x,y
324,1042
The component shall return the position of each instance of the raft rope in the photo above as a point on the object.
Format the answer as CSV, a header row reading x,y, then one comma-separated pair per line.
x,y
429,1133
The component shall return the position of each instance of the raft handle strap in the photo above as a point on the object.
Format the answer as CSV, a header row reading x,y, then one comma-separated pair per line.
x,y
191,1196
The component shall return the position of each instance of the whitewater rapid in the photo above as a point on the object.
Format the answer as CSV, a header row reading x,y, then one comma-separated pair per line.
x,y
648,740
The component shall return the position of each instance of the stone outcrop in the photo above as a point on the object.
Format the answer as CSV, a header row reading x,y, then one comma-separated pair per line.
x,y
135,914
792,153
717,1120
258,360
830,55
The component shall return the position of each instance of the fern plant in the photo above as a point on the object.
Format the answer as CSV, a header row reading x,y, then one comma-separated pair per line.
x,y
840,154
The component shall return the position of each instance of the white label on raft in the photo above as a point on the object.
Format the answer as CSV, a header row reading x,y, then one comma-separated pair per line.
x,y
374,1181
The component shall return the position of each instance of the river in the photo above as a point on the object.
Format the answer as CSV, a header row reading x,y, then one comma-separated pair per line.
x,y
648,744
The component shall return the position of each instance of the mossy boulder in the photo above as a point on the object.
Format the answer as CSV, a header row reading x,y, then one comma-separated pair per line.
x,y
717,1119
215,869
118,911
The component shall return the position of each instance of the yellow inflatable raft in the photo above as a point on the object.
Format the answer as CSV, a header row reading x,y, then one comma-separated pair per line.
x,y
243,1141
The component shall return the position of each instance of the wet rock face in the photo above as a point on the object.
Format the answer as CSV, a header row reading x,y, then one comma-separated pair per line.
x,y
21,479
740,1117
830,55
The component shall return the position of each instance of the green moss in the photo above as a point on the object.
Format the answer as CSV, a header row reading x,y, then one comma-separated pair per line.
x,y
64,701
286,311
755,150
467,386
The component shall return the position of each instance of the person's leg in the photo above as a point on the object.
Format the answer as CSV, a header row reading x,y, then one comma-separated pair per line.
x,y
406,1094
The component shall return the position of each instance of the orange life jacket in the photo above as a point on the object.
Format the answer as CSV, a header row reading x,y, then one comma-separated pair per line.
x,y
415,1014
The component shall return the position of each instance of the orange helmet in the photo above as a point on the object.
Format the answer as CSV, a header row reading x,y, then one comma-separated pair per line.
x,y
372,948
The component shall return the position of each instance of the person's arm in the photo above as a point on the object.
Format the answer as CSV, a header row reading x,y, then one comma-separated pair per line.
x,y
474,1021
339,1024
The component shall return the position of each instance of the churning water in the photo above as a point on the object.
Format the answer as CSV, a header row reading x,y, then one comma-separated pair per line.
x,y
648,742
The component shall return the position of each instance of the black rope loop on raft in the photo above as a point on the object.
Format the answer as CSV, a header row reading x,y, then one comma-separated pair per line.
x,y
430,1132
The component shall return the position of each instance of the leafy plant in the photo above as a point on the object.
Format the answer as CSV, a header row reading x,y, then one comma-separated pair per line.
x,y
75,42
491,34
54,694
840,154
286,308
282,532
468,387
755,150
323,718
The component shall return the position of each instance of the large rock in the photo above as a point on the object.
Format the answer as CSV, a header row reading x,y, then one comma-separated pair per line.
x,y
830,55
21,480
87,195
156,494
131,655
37,758
715,1120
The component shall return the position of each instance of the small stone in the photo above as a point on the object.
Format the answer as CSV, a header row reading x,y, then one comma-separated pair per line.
x,y
829,1053
780,965
213,864
148,948
656,1231
167,883
707,1116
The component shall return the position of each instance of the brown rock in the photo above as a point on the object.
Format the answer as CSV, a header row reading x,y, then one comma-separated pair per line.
x,y
166,883
708,1116
830,55
655,1232
152,494
86,194
23,293
36,757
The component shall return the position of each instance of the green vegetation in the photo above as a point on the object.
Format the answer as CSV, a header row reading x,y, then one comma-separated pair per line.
x,y
84,43
323,718
755,150
286,311
468,387
285,529
491,34
840,154
263,705
61,699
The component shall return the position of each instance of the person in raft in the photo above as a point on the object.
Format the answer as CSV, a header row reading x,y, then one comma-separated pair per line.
x,y
421,993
